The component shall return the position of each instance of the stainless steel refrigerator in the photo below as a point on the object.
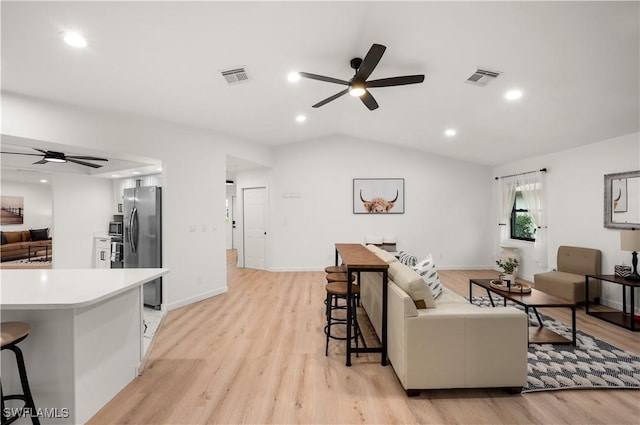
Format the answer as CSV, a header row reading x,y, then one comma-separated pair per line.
x,y
142,236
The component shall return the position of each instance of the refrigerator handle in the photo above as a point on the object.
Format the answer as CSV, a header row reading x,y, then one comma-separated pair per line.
x,y
134,230
130,233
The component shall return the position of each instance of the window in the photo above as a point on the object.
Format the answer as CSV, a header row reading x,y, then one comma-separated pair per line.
x,y
522,226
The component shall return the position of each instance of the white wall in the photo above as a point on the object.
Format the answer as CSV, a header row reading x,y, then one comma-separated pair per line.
x,y
446,211
82,206
194,165
37,204
575,197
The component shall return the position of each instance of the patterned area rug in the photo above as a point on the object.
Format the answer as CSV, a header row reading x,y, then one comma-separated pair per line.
x,y
593,363
35,261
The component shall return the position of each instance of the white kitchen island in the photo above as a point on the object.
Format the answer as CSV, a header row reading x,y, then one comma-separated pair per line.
x,y
86,342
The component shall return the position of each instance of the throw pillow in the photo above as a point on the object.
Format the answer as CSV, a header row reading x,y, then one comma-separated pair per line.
x,y
411,283
427,270
407,259
39,234
3,238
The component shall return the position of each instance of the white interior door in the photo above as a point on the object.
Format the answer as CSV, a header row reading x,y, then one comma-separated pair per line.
x,y
255,230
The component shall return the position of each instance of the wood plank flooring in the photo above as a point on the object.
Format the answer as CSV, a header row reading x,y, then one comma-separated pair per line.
x,y
256,355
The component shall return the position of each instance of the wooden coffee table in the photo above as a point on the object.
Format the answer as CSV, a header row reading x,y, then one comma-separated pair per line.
x,y
537,334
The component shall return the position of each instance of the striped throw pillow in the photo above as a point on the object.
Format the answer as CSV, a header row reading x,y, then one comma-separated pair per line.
x,y
407,259
427,270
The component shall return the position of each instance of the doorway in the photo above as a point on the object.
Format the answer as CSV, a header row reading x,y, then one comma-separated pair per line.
x,y
254,222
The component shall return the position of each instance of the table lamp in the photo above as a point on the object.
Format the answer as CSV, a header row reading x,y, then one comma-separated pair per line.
x,y
630,241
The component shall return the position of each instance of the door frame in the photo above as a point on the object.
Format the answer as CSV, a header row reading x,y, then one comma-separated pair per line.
x,y
266,226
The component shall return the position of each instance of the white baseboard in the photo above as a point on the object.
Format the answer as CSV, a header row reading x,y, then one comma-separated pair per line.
x,y
295,269
197,298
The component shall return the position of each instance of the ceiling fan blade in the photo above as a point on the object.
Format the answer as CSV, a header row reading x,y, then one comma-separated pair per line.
x,y
369,101
330,99
40,150
42,161
88,164
20,153
323,78
395,81
91,158
370,62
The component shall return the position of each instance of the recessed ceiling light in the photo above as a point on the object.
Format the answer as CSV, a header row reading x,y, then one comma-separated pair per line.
x,y
513,95
74,39
293,77
301,118
44,181
135,172
114,175
450,132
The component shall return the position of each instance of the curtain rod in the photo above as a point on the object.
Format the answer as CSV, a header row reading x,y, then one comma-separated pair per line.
x,y
544,170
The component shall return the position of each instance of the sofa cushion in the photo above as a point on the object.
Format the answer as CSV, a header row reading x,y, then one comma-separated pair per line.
x,y
39,234
386,256
13,237
407,259
410,282
3,238
373,248
427,270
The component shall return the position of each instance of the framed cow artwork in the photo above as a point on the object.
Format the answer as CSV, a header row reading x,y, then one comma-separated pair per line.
x,y
378,196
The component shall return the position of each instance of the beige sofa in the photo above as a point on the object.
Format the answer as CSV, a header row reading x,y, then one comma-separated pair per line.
x,y
568,281
454,344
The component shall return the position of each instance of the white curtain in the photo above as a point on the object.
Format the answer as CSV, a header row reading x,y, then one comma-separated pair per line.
x,y
532,187
506,196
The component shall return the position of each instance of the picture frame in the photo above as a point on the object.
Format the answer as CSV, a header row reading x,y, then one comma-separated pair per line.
x,y
619,195
378,196
11,209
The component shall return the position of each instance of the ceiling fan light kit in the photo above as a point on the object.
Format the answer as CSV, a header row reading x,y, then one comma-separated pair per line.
x,y
358,85
60,157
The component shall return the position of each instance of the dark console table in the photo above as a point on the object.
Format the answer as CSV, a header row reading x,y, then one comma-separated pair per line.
x,y
622,318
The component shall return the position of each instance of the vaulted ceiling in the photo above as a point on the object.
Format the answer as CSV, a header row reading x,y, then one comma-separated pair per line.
x,y
577,64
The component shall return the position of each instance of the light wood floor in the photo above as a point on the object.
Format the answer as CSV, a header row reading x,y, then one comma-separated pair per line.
x,y
256,355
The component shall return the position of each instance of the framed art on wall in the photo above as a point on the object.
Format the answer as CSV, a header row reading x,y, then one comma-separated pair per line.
x,y
378,196
619,192
12,209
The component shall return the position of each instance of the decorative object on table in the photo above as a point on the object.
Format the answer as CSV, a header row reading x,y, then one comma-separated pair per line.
x,y
630,241
521,288
593,363
622,270
509,268
11,209
378,196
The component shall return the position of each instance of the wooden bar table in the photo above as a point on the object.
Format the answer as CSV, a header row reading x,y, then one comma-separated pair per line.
x,y
357,258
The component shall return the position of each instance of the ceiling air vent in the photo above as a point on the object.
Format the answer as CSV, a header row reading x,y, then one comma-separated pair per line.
x,y
482,77
236,75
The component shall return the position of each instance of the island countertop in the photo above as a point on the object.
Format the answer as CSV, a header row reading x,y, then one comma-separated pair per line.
x,y
68,288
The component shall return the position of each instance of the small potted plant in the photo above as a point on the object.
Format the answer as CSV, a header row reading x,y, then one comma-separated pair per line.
x,y
509,268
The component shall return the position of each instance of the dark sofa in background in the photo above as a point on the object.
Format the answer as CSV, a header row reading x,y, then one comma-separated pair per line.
x,y
15,245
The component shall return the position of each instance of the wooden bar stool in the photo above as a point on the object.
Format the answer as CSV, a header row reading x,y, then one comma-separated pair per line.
x,y
337,291
339,277
11,334
336,269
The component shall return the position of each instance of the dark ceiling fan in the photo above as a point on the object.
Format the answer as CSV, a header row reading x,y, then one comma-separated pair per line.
x,y
358,85
53,156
